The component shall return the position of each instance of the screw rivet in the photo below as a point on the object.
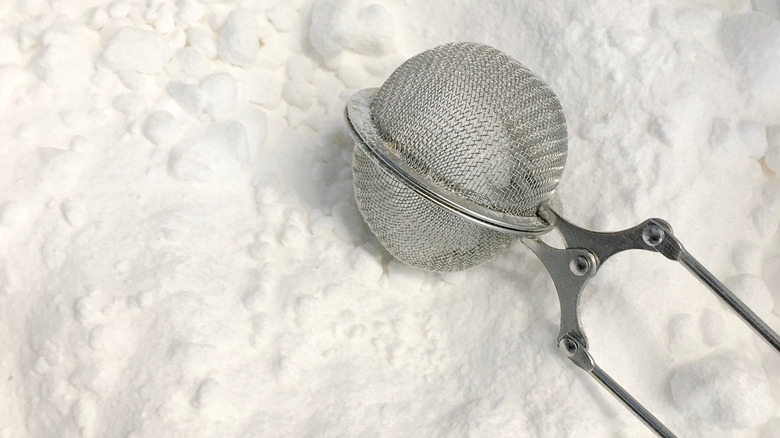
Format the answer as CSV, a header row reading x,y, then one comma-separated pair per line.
x,y
653,235
579,266
567,346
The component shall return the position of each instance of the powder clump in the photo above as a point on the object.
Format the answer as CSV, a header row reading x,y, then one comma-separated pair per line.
x,y
724,389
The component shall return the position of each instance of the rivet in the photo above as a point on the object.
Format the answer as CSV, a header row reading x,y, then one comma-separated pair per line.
x,y
653,235
579,266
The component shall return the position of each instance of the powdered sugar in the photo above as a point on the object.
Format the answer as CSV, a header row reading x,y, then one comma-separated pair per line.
x,y
137,50
751,43
724,390
181,252
772,156
239,38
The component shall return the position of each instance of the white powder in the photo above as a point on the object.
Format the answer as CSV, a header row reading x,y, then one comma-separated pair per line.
x,y
220,94
136,49
772,157
724,390
751,43
239,38
12,214
337,25
161,126
181,254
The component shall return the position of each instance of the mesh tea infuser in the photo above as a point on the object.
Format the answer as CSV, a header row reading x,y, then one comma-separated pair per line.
x,y
458,154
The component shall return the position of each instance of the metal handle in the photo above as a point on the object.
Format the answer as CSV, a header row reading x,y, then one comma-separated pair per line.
x,y
573,266
582,358
653,234
728,297
571,269
668,245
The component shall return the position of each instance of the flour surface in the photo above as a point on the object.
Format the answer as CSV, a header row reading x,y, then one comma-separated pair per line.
x,y
181,253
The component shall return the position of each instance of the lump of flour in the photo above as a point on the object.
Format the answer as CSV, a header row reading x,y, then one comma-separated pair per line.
x,y
137,50
725,389
339,24
239,38
215,154
751,44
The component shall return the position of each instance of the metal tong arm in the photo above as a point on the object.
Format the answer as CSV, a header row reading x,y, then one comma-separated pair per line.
x,y
582,358
656,234
669,246
719,289
571,268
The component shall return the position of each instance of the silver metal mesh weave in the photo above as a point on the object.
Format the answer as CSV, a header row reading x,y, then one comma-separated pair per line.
x,y
475,123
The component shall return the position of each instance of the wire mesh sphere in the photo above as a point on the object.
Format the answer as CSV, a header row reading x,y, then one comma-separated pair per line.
x,y
474,123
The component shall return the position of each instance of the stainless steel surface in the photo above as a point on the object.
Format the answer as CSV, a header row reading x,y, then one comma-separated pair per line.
x,y
573,266
474,130
728,297
458,154
631,403
371,145
416,230
581,357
